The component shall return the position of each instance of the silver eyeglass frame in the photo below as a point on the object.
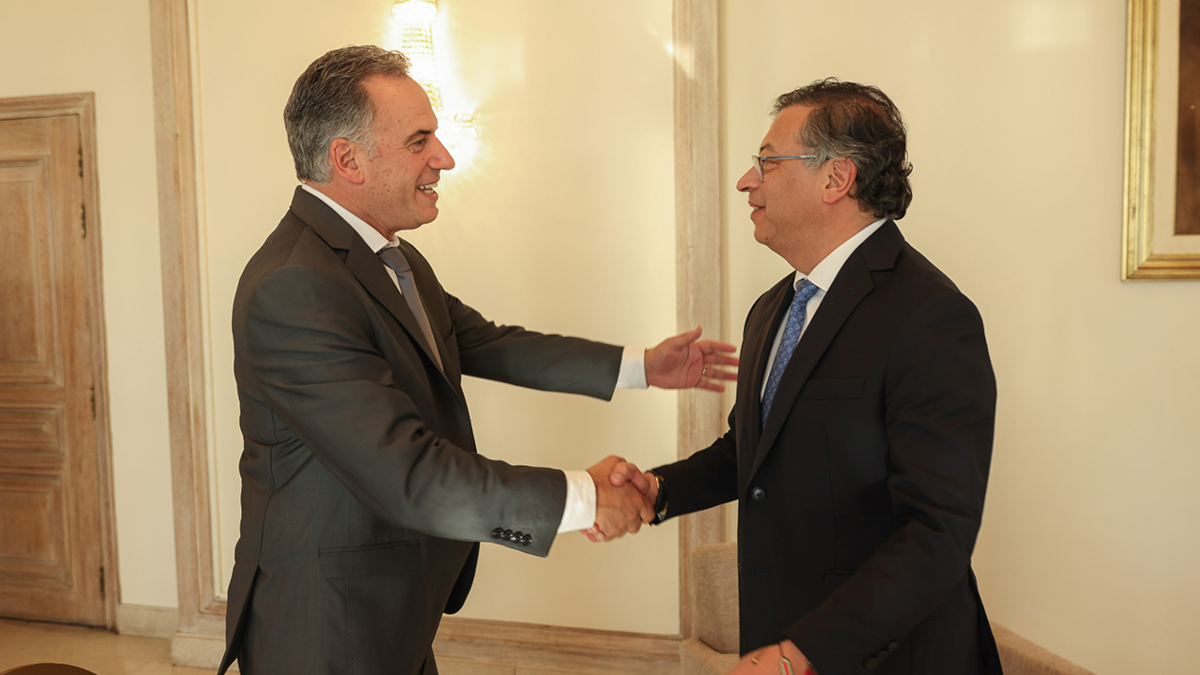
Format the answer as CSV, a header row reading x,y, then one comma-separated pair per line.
x,y
758,160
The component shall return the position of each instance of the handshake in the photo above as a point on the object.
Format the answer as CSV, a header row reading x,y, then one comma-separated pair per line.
x,y
625,499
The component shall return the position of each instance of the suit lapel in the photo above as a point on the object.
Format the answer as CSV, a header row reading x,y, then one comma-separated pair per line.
x,y
366,267
852,284
764,324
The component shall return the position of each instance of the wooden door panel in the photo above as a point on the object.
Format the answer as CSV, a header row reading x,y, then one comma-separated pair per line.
x,y
27,332
32,440
33,517
30,429
50,545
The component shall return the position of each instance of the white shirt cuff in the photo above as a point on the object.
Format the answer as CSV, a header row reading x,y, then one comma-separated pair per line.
x,y
580,511
633,369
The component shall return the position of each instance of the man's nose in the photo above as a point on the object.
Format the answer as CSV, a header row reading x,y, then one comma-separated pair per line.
x,y
441,160
748,181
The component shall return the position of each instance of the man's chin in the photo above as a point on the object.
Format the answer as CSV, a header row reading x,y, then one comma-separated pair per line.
x,y
760,236
423,219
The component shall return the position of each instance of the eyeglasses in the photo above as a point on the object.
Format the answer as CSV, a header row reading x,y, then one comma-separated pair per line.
x,y
759,159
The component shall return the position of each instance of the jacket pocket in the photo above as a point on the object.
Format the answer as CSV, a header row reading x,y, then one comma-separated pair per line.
x,y
832,389
387,559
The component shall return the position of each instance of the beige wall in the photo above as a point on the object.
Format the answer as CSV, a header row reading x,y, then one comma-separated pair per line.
x,y
72,46
1015,110
1016,119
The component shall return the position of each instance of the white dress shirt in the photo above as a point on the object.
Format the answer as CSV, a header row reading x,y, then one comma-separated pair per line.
x,y
822,277
580,510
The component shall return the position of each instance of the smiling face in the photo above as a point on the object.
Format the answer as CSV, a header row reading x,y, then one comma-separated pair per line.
x,y
400,173
786,203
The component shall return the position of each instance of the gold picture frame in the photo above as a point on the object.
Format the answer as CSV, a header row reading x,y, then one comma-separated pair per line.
x,y
1145,255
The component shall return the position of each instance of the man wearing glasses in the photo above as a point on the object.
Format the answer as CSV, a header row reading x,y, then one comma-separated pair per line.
x,y
860,440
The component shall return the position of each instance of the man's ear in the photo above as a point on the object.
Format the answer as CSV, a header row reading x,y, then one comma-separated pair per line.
x,y
345,158
840,181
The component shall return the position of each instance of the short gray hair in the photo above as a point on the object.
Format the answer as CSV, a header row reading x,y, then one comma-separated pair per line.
x,y
858,122
329,102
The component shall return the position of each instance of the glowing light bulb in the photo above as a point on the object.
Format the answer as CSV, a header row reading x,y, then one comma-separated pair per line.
x,y
411,32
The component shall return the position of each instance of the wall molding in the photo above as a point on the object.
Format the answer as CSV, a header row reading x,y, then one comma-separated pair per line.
x,y
199,638
147,620
201,612
199,648
700,277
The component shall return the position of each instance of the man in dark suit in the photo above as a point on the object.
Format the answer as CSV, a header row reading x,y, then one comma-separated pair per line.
x,y
363,497
861,436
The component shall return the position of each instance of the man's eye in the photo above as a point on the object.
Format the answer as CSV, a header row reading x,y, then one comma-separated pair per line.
x,y
418,145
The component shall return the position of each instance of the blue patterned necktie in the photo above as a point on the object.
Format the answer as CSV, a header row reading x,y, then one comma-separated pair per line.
x,y
393,258
787,344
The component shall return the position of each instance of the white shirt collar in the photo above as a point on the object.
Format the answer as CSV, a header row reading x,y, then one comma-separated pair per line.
x,y
375,241
826,271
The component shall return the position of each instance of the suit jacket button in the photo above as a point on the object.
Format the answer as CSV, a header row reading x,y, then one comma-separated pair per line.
x,y
872,663
527,539
497,533
758,494
507,536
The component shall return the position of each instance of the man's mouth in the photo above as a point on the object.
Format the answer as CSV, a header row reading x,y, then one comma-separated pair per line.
x,y
429,189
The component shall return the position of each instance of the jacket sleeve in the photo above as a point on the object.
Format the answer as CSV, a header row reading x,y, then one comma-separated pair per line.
x,y
706,479
514,355
312,355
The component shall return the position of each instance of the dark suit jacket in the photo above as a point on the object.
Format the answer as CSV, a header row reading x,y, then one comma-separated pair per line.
x,y
362,493
860,499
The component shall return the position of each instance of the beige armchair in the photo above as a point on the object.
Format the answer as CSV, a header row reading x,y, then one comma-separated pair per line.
x,y
714,651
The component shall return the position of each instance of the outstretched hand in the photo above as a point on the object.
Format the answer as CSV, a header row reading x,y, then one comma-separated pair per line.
x,y
684,362
620,509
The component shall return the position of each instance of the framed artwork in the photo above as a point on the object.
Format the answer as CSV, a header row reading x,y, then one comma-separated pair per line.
x,y
1162,141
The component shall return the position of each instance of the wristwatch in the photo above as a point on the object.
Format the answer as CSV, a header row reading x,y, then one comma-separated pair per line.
x,y
660,502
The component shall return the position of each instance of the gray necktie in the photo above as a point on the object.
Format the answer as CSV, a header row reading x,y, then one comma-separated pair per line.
x,y
393,258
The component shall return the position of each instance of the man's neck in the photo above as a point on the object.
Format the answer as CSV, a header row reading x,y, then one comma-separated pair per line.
x,y
339,193
373,238
808,254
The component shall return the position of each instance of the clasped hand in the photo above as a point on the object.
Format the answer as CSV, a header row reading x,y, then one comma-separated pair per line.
x,y
621,507
624,499
624,495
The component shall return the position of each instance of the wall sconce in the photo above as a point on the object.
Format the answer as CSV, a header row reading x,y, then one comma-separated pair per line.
x,y
412,34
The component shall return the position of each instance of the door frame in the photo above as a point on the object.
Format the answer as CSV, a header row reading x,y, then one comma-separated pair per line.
x,y
82,106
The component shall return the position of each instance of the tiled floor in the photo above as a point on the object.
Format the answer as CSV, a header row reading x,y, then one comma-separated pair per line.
x,y
24,642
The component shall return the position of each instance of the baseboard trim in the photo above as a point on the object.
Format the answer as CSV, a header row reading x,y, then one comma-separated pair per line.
x,y
147,620
198,650
478,642
578,650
